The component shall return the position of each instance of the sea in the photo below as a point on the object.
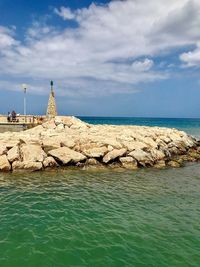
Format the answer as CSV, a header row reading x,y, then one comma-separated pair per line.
x,y
103,218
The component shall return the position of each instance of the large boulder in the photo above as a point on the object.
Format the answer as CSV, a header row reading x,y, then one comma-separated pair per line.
x,y
133,145
32,153
49,124
93,162
26,165
50,162
142,157
68,142
11,143
95,152
66,155
3,149
4,164
13,154
128,162
50,143
112,155
70,121
35,130
29,140
160,164
157,155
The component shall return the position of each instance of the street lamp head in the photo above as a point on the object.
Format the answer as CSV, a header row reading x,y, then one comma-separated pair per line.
x,y
24,86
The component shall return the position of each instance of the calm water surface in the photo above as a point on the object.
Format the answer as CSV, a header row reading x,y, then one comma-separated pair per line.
x,y
101,218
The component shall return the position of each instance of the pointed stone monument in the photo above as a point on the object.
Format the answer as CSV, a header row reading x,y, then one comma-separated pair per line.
x,y
51,109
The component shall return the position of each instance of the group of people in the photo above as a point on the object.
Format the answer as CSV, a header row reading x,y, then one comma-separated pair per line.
x,y
12,116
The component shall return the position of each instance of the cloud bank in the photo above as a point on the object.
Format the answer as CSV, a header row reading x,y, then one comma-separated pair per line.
x,y
110,49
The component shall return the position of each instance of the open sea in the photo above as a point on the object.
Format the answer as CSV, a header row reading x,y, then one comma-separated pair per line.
x,y
103,218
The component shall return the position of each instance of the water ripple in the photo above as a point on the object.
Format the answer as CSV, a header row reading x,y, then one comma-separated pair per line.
x,y
102,218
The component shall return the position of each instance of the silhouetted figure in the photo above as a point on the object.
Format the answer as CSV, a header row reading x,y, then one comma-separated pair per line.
x,y
13,115
9,117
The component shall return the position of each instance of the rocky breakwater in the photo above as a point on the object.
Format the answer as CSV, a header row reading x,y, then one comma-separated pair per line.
x,y
67,141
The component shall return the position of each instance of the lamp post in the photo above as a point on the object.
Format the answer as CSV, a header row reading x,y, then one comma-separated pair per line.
x,y
24,86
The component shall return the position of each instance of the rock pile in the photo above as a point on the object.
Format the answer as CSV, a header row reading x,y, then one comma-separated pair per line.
x,y
67,141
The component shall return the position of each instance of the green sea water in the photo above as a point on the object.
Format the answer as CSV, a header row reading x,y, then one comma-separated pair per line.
x,y
107,218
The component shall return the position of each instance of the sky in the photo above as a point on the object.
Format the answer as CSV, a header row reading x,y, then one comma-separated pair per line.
x,y
107,58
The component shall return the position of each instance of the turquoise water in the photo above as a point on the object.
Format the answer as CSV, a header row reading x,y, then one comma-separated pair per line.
x,y
106,218
191,126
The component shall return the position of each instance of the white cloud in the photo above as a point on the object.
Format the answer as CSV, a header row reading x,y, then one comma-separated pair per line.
x,y
191,58
110,51
6,38
65,13
144,65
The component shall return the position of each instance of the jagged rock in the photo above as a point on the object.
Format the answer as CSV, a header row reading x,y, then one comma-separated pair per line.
x,y
116,153
68,143
66,155
92,162
10,144
32,153
3,149
157,155
4,164
50,162
13,154
105,141
26,165
173,150
49,124
36,130
50,144
174,164
60,127
95,152
194,154
30,140
142,157
160,164
70,122
126,160
128,163
134,145
110,148
165,139
150,142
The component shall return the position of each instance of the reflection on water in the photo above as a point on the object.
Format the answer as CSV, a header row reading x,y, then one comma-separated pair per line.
x,y
101,218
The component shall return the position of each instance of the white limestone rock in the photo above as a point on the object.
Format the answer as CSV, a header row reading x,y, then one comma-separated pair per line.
x,y
66,155
50,162
32,153
27,165
50,143
4,164
68,142
128,163
142,157
116,153
3,149
95,152
13,154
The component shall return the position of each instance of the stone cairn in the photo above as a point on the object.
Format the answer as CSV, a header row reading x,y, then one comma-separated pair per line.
x,y
67,141
51,109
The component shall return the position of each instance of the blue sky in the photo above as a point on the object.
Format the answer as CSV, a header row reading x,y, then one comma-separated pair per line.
x,y
107,58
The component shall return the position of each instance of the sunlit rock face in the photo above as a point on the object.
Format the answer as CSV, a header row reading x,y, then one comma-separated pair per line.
x,y
67,141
